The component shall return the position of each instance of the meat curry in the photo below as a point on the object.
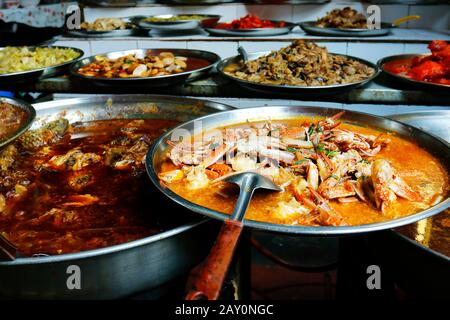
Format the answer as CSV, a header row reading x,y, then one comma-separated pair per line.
x,y
331,173
67,188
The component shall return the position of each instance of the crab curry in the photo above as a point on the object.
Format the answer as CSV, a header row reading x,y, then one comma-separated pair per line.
x,y
331,173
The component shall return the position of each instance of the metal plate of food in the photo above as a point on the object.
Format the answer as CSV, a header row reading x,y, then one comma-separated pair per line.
x,y
397,68
231,69
154,67
106,28
16,116
312,28
268,213
253,32
112,218
40,63
171,22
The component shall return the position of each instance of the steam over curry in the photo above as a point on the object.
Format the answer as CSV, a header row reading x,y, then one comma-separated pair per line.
x,y
331,173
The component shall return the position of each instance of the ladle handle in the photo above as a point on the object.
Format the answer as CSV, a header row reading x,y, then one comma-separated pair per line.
x,y
212,275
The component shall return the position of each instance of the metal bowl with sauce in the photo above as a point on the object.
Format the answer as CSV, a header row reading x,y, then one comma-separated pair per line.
x,y
199,63
435,146
26,113
128,268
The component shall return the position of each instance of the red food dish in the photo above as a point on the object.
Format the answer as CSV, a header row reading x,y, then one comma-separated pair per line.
x,y
251,22
434,68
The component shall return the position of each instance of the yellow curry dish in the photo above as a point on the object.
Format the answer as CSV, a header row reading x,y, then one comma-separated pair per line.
x,y
331,173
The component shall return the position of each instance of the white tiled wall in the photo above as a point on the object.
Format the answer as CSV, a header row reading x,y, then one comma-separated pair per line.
x,y
102,46
374,51
370,51
434,17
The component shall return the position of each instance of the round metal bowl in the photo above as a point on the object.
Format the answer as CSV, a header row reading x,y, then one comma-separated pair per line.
x,y
256,32
209,19
422,85
150,81
289,89
41,73
125,269
31,114
437,147
131,31
312,28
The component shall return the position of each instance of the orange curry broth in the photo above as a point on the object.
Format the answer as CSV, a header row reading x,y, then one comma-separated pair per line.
x,y
422,171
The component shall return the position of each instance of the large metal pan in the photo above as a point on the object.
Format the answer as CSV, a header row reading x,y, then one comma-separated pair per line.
x,y
178,25
132,30
312,28
125,269
288,89
421,85
31,114
41,73
150,81
435,146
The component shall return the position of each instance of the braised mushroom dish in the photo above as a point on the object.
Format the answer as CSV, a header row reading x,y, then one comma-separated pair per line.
x,y
301,64
331,173
67,188
346,18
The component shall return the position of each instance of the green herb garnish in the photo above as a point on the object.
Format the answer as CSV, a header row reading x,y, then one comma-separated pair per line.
x,y
331,153
321,147
334,176
290,149
311,129
300,161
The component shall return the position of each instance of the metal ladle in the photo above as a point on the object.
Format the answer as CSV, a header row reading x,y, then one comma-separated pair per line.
x,y
243,53
212,274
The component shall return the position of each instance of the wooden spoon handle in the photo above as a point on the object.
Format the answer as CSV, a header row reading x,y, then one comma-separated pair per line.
x,y
212,274
401,20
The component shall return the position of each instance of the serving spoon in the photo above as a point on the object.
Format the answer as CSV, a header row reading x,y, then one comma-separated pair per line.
x,y
243,53
209,281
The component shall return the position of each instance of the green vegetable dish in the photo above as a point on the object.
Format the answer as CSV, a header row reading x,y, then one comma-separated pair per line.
x,y
174,18
19,59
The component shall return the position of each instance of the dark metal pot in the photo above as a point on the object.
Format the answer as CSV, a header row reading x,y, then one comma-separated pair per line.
x,y
121,270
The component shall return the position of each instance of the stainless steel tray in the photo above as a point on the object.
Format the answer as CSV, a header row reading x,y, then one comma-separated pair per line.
x,y
436,146
150,81
31,114
423,85
149,262
311,28
209,19
287,89
257,32
108,34
41,73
